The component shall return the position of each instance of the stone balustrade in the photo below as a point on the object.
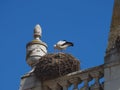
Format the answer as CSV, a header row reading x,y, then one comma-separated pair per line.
x,y
75,79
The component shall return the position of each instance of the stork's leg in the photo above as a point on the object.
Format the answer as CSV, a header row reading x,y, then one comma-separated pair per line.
x,y
55,50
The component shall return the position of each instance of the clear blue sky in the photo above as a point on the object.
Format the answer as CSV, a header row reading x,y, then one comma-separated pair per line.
x,y
84,22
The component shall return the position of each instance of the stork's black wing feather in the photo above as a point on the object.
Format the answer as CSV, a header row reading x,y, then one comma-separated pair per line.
x,y
68,43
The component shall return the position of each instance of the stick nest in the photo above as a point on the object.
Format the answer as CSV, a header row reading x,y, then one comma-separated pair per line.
x,y
55,65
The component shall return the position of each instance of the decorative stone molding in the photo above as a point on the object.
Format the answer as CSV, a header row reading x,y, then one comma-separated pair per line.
x,y
77,78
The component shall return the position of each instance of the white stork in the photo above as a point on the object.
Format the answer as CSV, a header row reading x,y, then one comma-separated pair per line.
x,y
62,45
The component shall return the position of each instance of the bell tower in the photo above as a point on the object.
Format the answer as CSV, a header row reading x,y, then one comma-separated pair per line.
x,y
112,57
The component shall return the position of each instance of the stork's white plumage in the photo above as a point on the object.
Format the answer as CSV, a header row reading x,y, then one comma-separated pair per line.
x,y
62,45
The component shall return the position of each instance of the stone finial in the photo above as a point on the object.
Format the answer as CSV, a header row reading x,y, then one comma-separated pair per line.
x,y
37,31
115,25
36,48
116,14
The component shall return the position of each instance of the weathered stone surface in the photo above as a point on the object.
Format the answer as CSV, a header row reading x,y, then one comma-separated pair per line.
x,y
76,78
36,48
115,25
112,78
112,58
29,82
116,14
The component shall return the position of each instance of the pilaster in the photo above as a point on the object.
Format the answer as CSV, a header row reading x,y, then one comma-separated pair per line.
x,y
112,57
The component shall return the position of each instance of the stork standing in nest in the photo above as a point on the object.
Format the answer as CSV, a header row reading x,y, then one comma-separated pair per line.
x,y
62,45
